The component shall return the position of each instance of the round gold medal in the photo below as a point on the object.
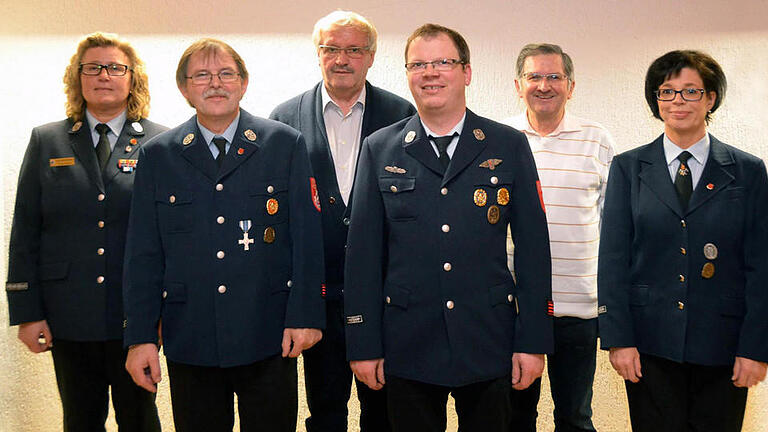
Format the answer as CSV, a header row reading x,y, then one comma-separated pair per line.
x,y
708,270
502,196
269,235
480,197
272,206
493,214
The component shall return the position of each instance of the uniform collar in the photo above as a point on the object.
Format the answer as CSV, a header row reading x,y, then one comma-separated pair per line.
x,y
699,150
228,134
115,125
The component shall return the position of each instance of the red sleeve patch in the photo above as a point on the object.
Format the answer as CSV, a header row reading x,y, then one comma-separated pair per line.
x,y
541,197
313,191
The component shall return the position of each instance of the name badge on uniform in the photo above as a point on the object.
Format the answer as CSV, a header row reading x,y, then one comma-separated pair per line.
x,y
127,165
65,161
245,225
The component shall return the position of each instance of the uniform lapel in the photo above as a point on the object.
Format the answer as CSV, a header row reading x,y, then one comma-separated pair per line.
x,y
468,148
82,144
716,175
125,148
244,144
654,174
419,147
195,150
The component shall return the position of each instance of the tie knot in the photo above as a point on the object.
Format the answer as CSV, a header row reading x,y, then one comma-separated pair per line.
x,y
220,144
102,129
684,156
442,141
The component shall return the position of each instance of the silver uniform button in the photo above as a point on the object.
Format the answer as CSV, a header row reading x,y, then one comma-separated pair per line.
x,y
100,251
510,298
220,220
100,279
222,289
494,180
446,228
270,189
388,300
101,197
447,266
449,304
172,199
165,294
444,191
220,254
393,188
345,221
219,187
289,284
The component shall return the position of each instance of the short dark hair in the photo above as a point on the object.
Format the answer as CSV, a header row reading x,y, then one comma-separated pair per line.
x,y
670,64
208,46
432,30
531,50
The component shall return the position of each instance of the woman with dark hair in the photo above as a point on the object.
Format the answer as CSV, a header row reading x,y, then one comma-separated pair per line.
x,y
684,261
69,226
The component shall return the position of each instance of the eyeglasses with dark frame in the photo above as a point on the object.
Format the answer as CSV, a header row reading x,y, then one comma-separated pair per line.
x,y
205,77
442,65
688,94
351,52
113,69
552,78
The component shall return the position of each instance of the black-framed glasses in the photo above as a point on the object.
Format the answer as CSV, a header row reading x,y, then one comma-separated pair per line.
x,y
552,78
442,65
113,69
205,77
689,94
351,52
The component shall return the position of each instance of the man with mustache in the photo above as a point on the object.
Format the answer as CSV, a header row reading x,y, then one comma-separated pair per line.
x,y
572,156
334,117
431,308
224,256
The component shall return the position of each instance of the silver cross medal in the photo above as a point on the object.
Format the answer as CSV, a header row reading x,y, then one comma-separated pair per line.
x,y
245,225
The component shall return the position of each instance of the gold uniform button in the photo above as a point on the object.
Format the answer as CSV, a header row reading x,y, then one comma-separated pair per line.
x,y
289,284
219,187
222,289
682,223
332,200
220,254
449,304
270,189
172,199
510,298
100,280
100,251
101,197
165,294
447,266
444,191
446,228
683,251
220,220
681,278
680,305
100,224
388,300
494,180
393,188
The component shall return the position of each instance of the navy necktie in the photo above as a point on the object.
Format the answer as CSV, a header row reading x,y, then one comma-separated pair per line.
x,y
442,148
103,148
220,144
684,180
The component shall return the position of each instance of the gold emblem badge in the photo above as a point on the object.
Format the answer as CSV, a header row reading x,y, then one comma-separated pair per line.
x,y
394,169
250,135
502,196
272,206
479,134
491,164
76,127
269,235
410,136
708,270
188,139
493,214
480,197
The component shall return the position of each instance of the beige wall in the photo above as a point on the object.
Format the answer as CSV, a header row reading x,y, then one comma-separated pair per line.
x,y
612,43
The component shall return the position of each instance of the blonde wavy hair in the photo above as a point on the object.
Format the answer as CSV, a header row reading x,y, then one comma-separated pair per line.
x,y
138,98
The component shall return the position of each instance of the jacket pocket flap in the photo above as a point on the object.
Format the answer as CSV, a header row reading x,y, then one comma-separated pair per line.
x,y
397,296
396,184
501,294
175,292
269,187
173,197
53,271
731,306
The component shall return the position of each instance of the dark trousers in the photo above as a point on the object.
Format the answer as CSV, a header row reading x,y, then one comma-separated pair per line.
x,y
85,371
328,381
420,407
203,397
683,397
571,373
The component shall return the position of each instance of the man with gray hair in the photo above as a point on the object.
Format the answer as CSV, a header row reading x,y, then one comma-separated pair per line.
x,y
334,117
572,156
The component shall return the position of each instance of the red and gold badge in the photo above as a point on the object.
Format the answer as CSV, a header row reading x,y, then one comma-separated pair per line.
x,y
313,191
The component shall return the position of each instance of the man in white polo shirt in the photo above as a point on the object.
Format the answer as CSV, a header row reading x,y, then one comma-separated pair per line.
x,y
572,156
